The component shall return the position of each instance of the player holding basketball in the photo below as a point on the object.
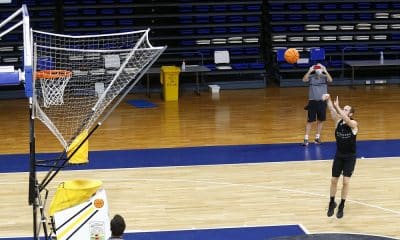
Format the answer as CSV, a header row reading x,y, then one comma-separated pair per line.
x,y
316,107
345,156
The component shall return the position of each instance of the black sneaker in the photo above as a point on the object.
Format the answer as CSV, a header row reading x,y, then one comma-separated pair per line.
x,y
305,143
331,209
318,141
339,213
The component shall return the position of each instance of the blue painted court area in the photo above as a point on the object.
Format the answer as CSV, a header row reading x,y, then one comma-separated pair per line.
x,y
248,233
140,103
208,155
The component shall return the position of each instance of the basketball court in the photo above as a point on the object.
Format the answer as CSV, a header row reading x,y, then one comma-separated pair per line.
x,y
216,166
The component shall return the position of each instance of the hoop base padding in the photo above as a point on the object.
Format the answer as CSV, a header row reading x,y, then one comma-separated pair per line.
x,y
82,155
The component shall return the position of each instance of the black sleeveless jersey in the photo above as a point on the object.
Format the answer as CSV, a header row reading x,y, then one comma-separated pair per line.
x,y
345,140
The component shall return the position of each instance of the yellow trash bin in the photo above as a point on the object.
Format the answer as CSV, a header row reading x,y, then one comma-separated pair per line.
x,y
169,78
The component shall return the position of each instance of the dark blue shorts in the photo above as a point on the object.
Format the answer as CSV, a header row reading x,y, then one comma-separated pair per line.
x,y
316,110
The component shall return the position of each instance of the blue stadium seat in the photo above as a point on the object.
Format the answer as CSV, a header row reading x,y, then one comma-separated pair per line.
x,y
89,2
295,17
236,8
107,23
253,8
219,19
219,8
364,5
46,25
125,11
236,51
252,29
383,6
186,31
107,11
278,17
235,19
219,30
279,28
256,65
365,16
252,18
185,19
240,66
236,29
89,12
313,17
329,6
70,2
330,17
202,19
280,55
107,1
277,6
296,28
294,7
71,24
203,31
125,22
252,51
89,23
71,12
348,16
204,8
188,42
317,54
312,6
45,13
347,6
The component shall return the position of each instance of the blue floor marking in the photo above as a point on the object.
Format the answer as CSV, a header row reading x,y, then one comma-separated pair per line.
x,y
208,155
243,233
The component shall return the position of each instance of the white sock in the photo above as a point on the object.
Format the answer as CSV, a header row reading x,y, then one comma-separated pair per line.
x,y
306,137
317,135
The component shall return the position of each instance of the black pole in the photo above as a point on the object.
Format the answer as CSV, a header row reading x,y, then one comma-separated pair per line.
x,y
33,195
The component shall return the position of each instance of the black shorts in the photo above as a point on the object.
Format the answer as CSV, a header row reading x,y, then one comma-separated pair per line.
x,y
343,164
316,110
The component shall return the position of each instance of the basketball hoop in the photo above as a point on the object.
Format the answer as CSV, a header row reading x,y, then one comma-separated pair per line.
x,y
53,83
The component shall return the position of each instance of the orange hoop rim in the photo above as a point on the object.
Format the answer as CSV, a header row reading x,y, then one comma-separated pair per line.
x,y
53,74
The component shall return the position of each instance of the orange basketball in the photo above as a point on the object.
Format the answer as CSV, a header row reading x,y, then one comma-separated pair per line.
x,y
292,55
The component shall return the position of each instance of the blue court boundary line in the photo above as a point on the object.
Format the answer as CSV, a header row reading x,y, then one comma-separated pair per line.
x,y
244,233
207,155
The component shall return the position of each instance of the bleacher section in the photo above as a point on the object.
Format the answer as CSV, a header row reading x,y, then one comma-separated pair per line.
x,y
252,31
346,30
192,30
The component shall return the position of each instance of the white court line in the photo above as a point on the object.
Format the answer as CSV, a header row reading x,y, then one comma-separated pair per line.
x,y
227,183
251,186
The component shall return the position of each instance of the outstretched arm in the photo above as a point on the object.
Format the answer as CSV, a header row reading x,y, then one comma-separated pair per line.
x,y
335,116
350,122
305,77
329,77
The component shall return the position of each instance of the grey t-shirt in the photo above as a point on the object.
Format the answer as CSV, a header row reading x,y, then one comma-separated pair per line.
x,y
318,86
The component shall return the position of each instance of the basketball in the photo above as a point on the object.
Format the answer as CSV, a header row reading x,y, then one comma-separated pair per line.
x,y
291,55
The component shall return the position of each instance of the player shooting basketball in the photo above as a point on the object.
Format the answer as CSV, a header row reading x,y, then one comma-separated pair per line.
x,y
345,156
316,107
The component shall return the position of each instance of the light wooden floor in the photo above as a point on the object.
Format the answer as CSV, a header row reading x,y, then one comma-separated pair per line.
x,y
223,195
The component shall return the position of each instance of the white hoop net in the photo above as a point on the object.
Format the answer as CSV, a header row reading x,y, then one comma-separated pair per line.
x,y
101,67
53,86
